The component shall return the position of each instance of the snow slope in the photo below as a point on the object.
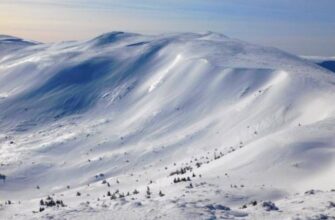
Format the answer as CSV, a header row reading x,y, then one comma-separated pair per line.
x,y
247,122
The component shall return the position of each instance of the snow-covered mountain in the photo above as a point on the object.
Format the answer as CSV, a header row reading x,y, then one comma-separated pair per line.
x,y
217,125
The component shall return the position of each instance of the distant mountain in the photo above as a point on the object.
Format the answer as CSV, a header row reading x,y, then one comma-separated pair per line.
x,y
325,62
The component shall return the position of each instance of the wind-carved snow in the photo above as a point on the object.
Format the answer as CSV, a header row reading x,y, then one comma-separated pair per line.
x,y
20,62
193,126
160,76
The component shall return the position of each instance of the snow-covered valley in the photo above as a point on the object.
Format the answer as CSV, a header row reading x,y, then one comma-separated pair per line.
x,y
179,126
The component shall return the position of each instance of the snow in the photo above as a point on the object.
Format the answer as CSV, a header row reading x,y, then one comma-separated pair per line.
x,y
251,123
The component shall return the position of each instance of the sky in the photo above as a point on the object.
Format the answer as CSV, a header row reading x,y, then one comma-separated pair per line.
x,y
303,27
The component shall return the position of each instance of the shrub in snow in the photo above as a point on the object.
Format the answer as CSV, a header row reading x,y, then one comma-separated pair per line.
x,y
121,195
2,177
50,202
137,204
100,175
222,207
184,179
182,170
60,203
148,192
198,164
217,207
190,186
113,197
331,205
210,207
270,206
310,192
322,217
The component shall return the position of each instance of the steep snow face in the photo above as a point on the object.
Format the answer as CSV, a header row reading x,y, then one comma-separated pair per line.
x,y
136,108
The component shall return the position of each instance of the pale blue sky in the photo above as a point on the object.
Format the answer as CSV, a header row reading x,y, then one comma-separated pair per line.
x,y
300,26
